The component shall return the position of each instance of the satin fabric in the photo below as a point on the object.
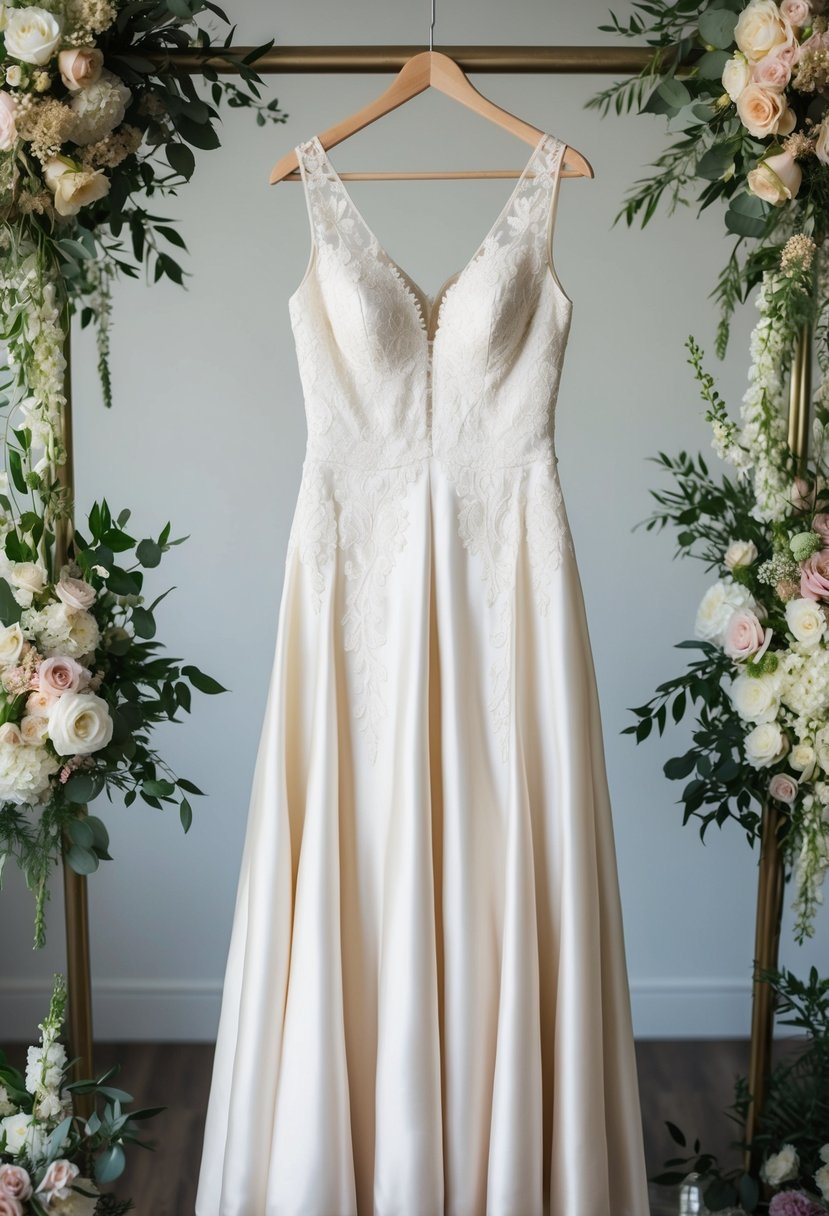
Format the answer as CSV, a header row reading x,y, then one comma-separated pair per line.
x,y
426,1008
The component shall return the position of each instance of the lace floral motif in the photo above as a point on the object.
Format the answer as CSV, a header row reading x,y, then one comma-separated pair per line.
x,y
389,387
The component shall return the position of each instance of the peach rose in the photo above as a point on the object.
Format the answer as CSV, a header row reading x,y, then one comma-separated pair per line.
x,y
8,128
774,72
75,593
776,179
57,1181
74,188
60,674
80,68
763,112
822,143
39,704
744,636
797,12
820,525
32,729
760,28
9,733
783,788
15,1182
814,576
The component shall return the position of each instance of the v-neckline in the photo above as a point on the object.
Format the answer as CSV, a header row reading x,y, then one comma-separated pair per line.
x,y
428,307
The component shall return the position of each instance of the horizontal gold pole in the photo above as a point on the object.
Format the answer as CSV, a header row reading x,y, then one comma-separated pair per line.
x,y
563,59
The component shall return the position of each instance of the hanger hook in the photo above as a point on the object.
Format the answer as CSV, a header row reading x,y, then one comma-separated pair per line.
x,y
432,28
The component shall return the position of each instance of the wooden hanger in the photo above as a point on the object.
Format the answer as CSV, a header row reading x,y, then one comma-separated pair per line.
x,y
430,69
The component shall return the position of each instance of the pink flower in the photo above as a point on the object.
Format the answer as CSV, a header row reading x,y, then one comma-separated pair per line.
x,y
57,1181
59,674
814,576
794,1203
744,636
797,12
80,67
820,524
774,72
15,1182
802,494
39,703
783,788
75,593
9,1206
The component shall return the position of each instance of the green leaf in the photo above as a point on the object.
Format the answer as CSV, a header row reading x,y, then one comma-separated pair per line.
x,y
711,65
143,622
148,553
109,1164
679,766
16,470
82,861
716,27
675,1134
202,682
10,610
184,784
174,237
749,1192
716,162
181,159
99,833
200,135
667,98
81,833
158,789
747,215
81,788
186,814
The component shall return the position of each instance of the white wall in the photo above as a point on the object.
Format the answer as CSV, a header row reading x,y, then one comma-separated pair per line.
x,y
208,430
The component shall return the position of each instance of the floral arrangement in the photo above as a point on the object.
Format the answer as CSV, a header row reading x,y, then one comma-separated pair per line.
x,y
793,1137
52,1161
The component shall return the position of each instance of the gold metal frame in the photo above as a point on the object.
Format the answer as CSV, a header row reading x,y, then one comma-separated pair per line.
x,y
582,60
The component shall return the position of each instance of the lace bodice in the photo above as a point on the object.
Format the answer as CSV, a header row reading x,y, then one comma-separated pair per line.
x,y
395,380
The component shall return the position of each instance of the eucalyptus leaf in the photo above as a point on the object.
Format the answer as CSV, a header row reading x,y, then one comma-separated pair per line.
x,y
10,610
109,1164
82,861
716,27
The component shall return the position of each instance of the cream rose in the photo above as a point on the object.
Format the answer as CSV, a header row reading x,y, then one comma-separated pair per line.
x,y
60,674
776,179
39,704
32,35
744,636
74,188
8,126
14,76
10,733
15,1182
803,759
822,143
22,1134
716,608
797,12
765,745
33,729
756,698
783,788
79,723
57,1181
28,576
11,644
81,67
736,75
780,1167
760,28
822,1180
806,621
75,593
740,553
763,112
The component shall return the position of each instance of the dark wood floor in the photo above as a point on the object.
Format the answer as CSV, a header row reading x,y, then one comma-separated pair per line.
x,y
688,1082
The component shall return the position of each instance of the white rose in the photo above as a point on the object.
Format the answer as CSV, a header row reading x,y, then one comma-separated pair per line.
x,y
803,759
716,608
822,143
75,593
10,733
4,16
29,576
14,76
822,1179
780,1167
79,723
760,29
74,188
756,698
822,748
99,109
765,745
8,125
33,729
736,75
22,1135
32,35
11,644
806,621
740,553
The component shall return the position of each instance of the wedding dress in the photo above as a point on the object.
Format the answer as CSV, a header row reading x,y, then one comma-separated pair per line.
x,y
426,1007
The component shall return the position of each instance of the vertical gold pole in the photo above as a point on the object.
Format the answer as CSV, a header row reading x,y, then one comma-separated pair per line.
x,y
79,971
770,877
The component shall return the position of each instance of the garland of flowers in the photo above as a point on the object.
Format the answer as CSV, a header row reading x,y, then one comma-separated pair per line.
x,y
91,128
53,1162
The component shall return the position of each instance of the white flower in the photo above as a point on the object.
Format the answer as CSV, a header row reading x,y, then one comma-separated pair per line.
x,y
57,1181
74,188
50,1106
11,644
25,772
806,621
4,16
780,1167
32,35
824,1153
76,1204
822,1179
736,75
740,553
8,124
99,109
716,607
805,682
7,1107
33,728
44,1067
760,29
79,723
765,745
64,631
803,759
74,592
756,698
28,578
14,75
23,1136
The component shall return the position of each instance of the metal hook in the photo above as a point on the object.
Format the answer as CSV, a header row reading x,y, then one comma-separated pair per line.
x,y
432,29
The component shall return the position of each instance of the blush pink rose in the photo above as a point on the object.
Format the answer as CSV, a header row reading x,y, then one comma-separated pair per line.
x,y
75,593
58,1179
9,1206
814,576
783,788
820,524
60,674
80,67
796,12
774,72
744,636
15,1182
